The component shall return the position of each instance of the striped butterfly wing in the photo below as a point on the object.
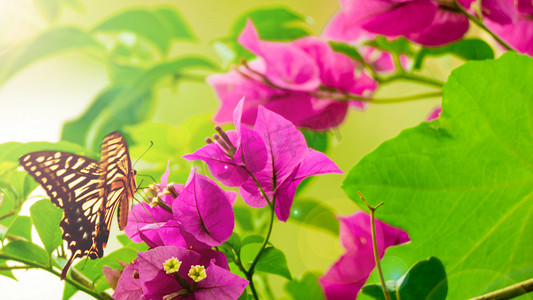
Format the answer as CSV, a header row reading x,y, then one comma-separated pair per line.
x,y
118,179
73,183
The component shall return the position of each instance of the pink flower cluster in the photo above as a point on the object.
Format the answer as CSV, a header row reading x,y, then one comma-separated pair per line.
x,y
182,223
426,22
291,79
266,162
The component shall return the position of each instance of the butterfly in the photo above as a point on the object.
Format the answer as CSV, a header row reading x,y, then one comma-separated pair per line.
x,y
88,191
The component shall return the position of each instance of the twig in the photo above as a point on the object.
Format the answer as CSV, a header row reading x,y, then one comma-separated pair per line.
x,y
509,292
372,209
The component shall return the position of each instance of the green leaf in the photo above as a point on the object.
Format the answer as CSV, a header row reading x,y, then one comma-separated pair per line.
x,y
243,218
127,104
6,273
316,139
113,109
461,185
252,239
69,291
305,289
397,46
49,8
92,269
375,290
159,26
349,50
272,23
26,251
425,280
127,242
234,242
46,218
273,261
21,227
467,49
45,44
10,152
314,213
174,22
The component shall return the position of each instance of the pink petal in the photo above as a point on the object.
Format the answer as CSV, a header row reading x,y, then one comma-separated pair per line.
x,y
519,35
220,284
392,18
204,210
286,66
128,287
342,28
500,11
447,27
284,142
220,164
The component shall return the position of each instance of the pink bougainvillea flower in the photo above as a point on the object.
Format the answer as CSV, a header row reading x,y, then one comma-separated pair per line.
x,y
205,210
292,80
228,163
288,161
128,285
144,221
182,216
175,272
512,21
346,277
427,22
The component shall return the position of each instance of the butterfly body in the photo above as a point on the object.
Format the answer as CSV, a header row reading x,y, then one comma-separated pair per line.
x,y
88,191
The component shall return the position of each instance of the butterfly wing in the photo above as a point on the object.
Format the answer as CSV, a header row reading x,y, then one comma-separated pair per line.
x,y
118,178
73,183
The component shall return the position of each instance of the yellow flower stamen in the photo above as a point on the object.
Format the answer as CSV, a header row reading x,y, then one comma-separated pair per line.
x,y
197,273
172,265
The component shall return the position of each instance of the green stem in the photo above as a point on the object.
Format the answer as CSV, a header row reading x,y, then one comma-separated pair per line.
x,y
7,268
249,274
478,21
509,292
412,77
76,284
347,97
375,245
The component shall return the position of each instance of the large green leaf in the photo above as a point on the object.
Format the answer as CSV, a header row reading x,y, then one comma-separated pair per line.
x,y
46,218
462,185
45,44
160,26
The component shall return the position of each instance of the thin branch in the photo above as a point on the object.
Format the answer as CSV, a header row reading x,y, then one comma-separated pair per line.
x,y
372,209
76,284
509,292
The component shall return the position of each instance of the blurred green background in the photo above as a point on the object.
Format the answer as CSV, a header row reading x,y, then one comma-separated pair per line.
x,y
35,103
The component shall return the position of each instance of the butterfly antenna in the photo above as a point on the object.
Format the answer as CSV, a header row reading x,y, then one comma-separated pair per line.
x,y
149,176
151,144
